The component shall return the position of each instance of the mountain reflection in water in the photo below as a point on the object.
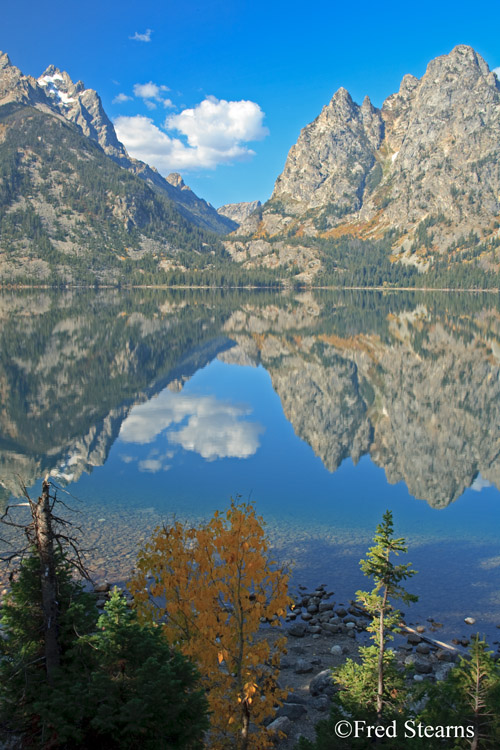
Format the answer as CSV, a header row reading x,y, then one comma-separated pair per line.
x,y
175,389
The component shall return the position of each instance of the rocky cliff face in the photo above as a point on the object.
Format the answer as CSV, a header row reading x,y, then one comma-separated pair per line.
x,y
425,166
238,212
84,108
330,161
15,87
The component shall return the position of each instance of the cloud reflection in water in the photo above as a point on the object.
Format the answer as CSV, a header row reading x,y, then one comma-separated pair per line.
x,y
214,429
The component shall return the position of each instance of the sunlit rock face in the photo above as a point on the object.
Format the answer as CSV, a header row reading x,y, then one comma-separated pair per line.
x,y
238,212
425,165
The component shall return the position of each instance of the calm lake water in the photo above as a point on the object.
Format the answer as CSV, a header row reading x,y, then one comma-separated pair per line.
x,y
324,410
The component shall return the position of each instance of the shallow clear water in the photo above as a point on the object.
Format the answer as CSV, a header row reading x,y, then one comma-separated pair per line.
x,y
211,426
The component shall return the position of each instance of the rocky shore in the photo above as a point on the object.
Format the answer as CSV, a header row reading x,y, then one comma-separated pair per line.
x,y
322,634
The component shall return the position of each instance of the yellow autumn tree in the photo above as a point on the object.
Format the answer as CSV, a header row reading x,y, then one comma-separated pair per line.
x,y
210,587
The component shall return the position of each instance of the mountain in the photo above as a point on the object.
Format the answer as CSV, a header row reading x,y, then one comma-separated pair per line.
x,y
422,173
73,205
84,108
238,212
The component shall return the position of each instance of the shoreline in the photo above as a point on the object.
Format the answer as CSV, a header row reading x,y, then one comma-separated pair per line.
x,y
248,287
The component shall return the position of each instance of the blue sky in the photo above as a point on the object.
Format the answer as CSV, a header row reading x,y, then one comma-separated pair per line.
x,y
219,89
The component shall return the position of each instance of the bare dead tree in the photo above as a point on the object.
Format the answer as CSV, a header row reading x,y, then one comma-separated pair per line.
x,y
46,534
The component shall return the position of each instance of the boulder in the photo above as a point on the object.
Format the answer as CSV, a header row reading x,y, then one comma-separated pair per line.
x,y
422,666
292,711
281,724
322,684
297,630
303,667
423,648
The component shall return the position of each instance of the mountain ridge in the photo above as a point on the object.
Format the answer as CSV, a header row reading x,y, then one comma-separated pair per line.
x,y
424,167
55,92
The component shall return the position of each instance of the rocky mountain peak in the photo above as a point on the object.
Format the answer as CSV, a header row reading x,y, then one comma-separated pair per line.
x,y
367,106
175,179
396,103
461,57
428,158
4,60
16,87
56,94
342,95
84,108
329,162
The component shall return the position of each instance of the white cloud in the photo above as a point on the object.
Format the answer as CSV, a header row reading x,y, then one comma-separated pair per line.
x,y
149,90
214,428
152,465
496,71
146,37
143,140
215,132
120,98
218,124
152,93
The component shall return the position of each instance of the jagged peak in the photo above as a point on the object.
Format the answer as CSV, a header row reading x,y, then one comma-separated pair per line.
x,y
53,75
51,70
175,179
408,85
467,52
342,95
462,55
5,60
367,105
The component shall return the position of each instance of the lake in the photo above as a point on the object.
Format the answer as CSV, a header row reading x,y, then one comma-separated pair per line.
x,y
323,409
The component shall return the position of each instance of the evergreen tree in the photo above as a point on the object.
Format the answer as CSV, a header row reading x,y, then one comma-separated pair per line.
x,y
373,691
469,698
23,676
69,682
387,578
119,684
124,688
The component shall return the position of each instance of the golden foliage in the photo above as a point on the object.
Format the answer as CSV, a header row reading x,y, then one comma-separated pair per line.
x,y
211,587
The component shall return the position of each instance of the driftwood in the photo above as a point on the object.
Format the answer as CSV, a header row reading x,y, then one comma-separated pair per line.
x,y
403,628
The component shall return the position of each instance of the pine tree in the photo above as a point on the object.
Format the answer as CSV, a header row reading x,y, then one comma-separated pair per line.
x,y
373,690
387,578
69,682
468,698
23,674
